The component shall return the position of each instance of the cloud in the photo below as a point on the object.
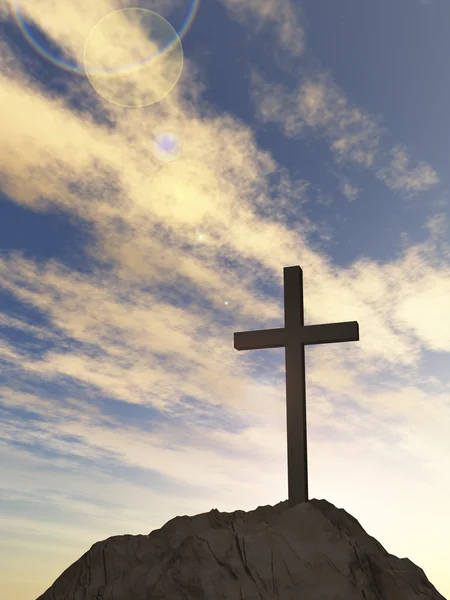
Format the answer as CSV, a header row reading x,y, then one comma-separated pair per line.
x,y
316,106
437,224
283,15
397,176
350,191
347,189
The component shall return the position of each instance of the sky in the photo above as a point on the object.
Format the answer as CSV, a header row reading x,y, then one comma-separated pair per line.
x,y
161,162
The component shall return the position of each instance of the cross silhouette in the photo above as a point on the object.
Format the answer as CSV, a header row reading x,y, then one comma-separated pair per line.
x,y
294,337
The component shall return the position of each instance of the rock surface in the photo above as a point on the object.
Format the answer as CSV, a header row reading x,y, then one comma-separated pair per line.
x,y
312,551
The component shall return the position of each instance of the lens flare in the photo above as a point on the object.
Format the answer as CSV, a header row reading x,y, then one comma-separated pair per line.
x,y
74,68
166,146
129,36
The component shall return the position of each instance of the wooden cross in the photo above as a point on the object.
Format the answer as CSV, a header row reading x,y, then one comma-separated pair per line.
x,y
293,337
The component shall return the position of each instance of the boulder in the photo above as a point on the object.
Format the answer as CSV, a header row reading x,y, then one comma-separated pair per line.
x,y
312,551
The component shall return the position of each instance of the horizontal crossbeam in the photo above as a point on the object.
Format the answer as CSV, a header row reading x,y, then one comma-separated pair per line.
x,y
329,333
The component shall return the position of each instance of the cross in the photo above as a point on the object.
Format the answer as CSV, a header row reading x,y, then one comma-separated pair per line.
x,y
294,337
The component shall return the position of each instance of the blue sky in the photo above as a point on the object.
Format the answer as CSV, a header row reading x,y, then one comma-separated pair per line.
x,y
147,217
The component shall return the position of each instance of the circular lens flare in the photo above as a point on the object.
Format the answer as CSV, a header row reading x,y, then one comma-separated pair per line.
x,y
167,146
130,36
38,46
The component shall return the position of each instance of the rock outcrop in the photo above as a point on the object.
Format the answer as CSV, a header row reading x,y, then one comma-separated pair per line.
x,y
312,551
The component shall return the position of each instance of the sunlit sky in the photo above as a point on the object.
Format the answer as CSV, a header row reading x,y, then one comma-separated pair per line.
x,y
147,213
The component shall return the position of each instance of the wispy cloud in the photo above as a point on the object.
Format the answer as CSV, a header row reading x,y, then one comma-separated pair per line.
x,y
437,224
350,191
397,175
354,136
346,187
284,16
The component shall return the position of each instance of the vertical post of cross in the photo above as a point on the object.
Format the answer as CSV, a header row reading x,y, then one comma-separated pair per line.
x,y
297,451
